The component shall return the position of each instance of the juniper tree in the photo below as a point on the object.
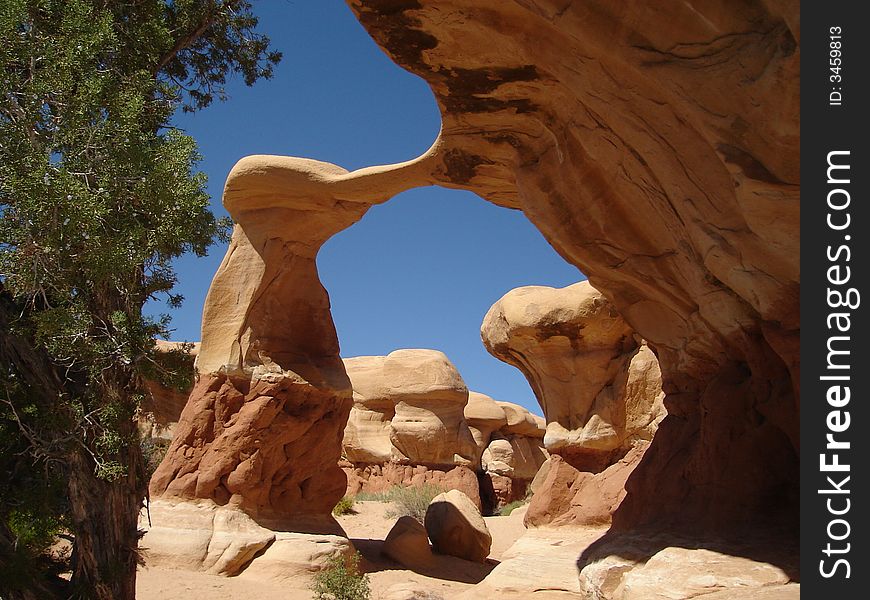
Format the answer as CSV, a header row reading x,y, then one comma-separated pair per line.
x,y
98,194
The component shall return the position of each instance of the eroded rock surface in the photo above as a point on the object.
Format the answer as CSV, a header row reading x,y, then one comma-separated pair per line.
x,y
294,554
414,422
268,444
201,537
262,428
598,383
408,408
542,565
457,528
641,568
657,148
568,497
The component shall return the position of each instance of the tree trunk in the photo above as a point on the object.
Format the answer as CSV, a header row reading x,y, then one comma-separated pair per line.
x,y
103,513
28,583
104,516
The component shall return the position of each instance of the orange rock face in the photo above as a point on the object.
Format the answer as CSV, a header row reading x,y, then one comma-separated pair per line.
x,y
598,383
571,497
234,441
656,147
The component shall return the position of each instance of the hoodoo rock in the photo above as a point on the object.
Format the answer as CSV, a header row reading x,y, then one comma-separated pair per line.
x,y
408,408
414,422
262,428
598,383
484,416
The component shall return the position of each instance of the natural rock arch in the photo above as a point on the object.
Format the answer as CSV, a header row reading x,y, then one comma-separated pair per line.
x,y
655,147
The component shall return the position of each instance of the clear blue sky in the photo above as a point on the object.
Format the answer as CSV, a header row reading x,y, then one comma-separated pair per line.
x,y
417,272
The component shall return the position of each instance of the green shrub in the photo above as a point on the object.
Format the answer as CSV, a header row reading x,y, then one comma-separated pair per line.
x,y
373,497
344,507
412,501
341,580
408,501
507,509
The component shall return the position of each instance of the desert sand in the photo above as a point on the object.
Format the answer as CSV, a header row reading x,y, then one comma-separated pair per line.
x,y
367,529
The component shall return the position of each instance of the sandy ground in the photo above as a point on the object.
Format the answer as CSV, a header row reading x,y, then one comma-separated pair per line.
x,y
367,530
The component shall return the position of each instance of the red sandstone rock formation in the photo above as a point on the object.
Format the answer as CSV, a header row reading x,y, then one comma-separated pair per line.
x,y
598,383
414,422
263,426
656,147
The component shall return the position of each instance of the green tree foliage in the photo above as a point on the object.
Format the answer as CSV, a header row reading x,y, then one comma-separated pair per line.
x,y
98,194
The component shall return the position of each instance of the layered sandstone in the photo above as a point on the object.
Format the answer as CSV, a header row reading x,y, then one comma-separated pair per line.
x,y
223,540
236,435
654,566
656,148
408,408
262,429
414,422
598,383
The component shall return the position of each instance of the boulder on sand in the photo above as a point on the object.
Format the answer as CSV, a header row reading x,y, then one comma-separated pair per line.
x,y
456,527
408,544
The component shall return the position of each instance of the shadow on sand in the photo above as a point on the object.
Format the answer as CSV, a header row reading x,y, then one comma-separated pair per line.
x,y
443,567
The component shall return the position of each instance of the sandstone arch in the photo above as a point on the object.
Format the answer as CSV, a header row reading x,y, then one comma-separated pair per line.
x,y
656,147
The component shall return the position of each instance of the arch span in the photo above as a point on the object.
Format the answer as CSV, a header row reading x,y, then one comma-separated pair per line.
x,y
657,151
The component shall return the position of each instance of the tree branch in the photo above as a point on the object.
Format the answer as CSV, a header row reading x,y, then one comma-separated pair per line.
x,y
209,19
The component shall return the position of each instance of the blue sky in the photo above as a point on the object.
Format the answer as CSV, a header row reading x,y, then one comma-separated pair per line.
x,y
417,272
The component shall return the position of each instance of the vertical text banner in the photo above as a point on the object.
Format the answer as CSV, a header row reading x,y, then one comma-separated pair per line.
x,y
835,300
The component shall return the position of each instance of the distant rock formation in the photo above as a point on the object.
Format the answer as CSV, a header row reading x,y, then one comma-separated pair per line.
x,y
408,408
414,422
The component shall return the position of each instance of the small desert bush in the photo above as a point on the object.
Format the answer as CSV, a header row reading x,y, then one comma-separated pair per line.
x,y
373,497
507,509
412,501
344,507
341,580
